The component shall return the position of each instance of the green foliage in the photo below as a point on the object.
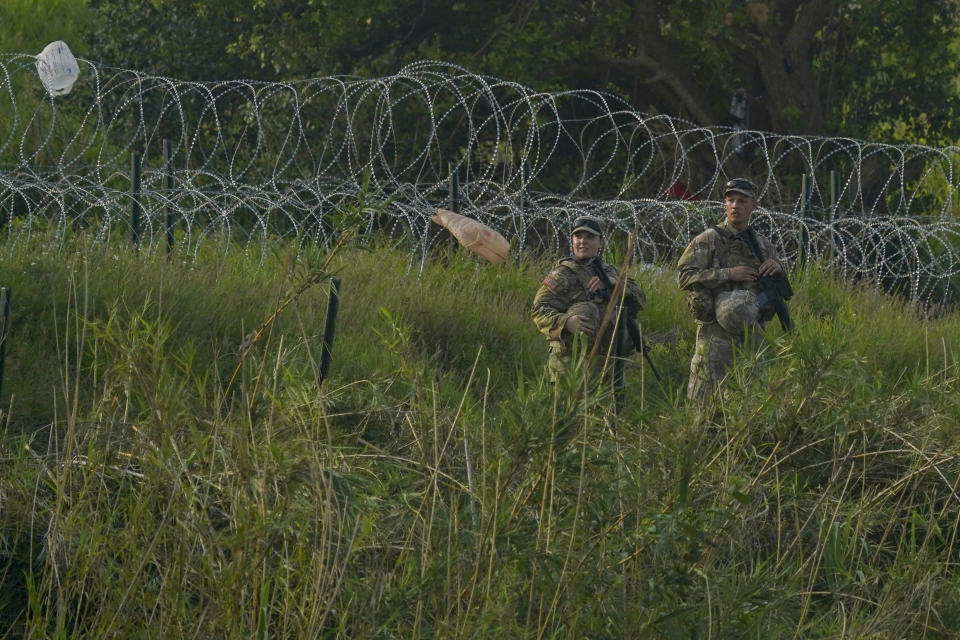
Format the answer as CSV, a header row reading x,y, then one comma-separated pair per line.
x,y
27,26
168,410
176,38
898,77
812,71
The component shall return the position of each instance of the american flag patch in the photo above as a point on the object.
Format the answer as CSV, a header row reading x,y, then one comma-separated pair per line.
x,y
550,282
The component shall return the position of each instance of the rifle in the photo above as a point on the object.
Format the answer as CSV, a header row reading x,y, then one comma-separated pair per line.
x,y
774,290
629,322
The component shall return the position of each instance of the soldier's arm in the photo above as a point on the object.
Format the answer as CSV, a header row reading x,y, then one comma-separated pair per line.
x,y
695,265
550,305
769,250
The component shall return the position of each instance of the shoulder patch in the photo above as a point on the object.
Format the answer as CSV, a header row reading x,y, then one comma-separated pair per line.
x,y
550,282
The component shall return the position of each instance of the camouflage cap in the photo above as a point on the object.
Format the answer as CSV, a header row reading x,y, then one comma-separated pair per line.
x,y
742,186
591,224
737,310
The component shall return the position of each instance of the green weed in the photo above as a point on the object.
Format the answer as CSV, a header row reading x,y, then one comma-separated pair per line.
x,y
172,466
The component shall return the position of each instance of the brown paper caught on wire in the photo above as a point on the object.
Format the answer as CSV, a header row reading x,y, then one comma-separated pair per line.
x,y
474,235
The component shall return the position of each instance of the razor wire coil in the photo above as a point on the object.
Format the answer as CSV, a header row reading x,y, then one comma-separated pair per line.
x,y
257,160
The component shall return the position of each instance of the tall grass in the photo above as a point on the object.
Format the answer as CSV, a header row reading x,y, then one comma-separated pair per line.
x,y
171,471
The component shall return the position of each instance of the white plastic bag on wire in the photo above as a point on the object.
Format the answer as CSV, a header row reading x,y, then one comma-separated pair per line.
x,y
57,68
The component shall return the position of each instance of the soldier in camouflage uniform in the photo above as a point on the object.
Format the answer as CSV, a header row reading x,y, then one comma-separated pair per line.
x,y
718,269
569,300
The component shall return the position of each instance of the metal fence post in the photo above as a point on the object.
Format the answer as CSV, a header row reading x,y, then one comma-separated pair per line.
x,y
834,192
333,304
803,247
524,179
168,184
5,295
6,213
135,184
454,189
834,206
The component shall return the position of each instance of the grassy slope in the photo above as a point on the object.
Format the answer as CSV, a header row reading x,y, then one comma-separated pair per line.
x,y
166,472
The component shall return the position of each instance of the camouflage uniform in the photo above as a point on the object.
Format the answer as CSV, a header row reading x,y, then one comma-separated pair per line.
x,y
704,272
564,293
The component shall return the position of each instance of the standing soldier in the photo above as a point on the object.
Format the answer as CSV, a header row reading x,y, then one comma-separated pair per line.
x,y
719,270
573,297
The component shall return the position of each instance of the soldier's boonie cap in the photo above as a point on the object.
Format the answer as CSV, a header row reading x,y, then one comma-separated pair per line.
x,y
741,185
737,310
588,223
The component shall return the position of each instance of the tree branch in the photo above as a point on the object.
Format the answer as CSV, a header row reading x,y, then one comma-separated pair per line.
x,y
783,57
650,70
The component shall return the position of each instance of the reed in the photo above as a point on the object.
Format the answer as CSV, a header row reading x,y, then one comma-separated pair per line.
x,y
171,468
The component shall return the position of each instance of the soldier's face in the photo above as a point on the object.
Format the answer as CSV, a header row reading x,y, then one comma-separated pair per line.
x,y
739,207
586,245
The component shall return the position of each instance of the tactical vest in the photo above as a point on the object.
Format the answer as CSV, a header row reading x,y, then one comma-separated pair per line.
x,y
736,252
583,274
736,249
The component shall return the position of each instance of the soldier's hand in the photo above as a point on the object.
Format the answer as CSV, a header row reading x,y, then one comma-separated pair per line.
x,y
594,284
575,324
770,267
743,274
